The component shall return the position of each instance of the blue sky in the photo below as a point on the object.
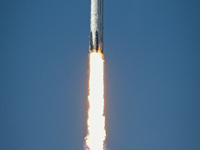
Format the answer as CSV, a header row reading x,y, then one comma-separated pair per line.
x,y
152,74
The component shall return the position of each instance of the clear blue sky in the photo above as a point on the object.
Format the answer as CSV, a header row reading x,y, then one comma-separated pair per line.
x,y
152,74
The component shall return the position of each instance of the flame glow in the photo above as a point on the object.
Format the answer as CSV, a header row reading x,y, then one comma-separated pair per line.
x,y
96,119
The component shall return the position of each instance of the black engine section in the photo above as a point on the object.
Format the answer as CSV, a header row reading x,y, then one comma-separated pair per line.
x,y
97,48
97,41
91,43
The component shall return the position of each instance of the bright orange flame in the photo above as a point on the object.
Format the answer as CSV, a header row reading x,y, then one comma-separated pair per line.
x,y
96,119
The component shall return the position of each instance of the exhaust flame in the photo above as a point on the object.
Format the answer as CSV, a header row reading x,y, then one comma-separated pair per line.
x,y
96,119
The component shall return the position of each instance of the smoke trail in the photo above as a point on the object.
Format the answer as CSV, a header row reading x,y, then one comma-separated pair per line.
x,y
96,119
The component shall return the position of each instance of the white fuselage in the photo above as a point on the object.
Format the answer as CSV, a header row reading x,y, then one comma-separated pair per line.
x,y
96,26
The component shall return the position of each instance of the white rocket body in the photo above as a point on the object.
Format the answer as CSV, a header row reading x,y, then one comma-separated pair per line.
x,y
96,26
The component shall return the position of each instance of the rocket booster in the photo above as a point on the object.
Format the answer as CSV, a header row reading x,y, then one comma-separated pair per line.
x,y
96,26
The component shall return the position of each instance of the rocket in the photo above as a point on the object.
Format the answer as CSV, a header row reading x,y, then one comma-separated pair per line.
x,y
96,26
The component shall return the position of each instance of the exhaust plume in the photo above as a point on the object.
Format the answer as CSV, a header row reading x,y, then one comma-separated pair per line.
x,y
96,119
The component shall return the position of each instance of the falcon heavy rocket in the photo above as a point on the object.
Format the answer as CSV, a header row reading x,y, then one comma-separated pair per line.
x,y
96,26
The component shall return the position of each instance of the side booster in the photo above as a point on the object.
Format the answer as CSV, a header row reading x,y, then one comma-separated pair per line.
x,y
96,26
